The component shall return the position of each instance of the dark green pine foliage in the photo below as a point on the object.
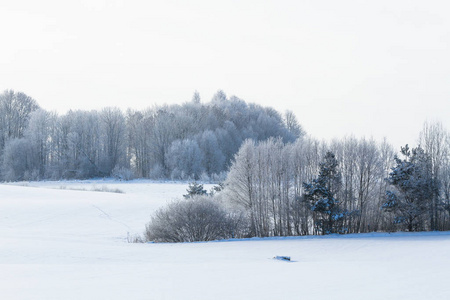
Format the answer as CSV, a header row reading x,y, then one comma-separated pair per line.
x,y
194,189
321,195
414,189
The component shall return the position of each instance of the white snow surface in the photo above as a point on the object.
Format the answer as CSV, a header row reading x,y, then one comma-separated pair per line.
x,y
67,244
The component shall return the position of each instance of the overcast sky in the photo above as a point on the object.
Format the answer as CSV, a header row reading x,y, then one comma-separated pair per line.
x,y
367,68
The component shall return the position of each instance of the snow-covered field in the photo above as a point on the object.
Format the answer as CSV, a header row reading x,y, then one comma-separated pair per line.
x,y
59,243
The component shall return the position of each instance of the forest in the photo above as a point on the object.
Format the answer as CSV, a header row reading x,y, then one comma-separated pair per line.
x,y
191,141
277,180
348,186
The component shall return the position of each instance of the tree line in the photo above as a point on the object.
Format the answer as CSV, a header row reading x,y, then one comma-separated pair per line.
x,y
194,140
308,187
280,181
346,186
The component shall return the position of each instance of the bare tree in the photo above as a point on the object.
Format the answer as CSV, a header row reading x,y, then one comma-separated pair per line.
x,y
38,133
241,184
433,139
293,125
15,110
114,147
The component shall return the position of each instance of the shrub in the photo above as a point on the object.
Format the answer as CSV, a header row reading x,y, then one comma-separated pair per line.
x,y
122,173
194,219
134,238
106,189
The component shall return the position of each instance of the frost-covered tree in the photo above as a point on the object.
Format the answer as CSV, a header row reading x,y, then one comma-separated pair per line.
x,y
185,160
293,125
321,194
362,173
194,189
113,139
230,140
196,97
368,176
434,141
242,183
163,134
82,144
138,135
214,159
15,110
414,191
262,181
219,96
78,145
305,156
18,161
445,190
38,134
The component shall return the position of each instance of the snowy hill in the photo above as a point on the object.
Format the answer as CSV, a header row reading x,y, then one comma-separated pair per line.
x,y
59,243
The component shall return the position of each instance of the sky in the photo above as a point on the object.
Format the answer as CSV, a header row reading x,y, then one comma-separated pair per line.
x,y
364,68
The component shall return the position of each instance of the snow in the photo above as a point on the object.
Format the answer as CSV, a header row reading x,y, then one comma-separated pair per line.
x,y
70,244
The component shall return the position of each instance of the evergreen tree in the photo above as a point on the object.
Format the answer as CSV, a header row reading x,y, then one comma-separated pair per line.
x,y
414,189
194,189
321,195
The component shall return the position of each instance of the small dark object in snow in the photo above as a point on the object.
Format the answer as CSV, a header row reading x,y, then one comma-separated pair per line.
x,y
285,258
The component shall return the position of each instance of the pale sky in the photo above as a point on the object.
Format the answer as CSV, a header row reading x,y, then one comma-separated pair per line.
x,y
367,68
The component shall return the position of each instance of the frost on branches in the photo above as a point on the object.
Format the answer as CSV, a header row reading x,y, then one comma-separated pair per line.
x,y
321,194
414,189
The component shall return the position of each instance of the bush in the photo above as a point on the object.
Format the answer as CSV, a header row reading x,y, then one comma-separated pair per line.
x,y
195,219
122,173
106,189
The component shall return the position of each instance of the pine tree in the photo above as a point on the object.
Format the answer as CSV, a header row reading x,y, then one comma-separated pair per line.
x,y
194,189
414,191
321,195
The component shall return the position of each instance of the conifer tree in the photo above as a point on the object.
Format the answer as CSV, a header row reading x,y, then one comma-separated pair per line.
x,y
194,189
321,195
414,187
